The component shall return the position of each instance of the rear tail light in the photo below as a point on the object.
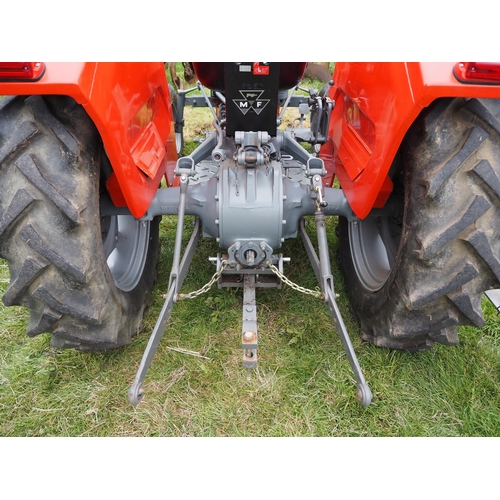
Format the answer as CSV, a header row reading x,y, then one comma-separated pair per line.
x,y
21,71
487,73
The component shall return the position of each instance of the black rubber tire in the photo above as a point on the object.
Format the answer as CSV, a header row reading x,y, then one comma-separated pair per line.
x,y
50,228
446,242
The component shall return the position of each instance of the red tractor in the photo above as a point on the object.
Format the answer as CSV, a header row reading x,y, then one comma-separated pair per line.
x,y
407,155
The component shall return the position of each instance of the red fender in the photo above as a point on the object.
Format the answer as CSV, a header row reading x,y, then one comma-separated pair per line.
x,y
131,107
375,104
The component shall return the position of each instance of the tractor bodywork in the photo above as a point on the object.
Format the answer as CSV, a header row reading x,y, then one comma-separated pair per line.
x,y
130,105
375,105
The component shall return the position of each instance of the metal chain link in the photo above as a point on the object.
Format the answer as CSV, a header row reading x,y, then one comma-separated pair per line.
x,y
205,288
315,293
282,277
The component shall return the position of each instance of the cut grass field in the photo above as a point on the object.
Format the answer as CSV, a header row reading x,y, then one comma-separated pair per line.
x,y
303,386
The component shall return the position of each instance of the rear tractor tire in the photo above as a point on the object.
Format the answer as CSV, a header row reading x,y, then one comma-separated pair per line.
x,y
413,279
84,278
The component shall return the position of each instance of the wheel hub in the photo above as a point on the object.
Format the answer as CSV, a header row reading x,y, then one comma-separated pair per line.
x,y
125,242
374,243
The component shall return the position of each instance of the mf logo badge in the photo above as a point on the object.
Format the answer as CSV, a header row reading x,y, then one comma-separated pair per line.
x,y
251,100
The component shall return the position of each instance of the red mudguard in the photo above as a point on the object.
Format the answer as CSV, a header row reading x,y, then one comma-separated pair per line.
x,y
375,104
130,105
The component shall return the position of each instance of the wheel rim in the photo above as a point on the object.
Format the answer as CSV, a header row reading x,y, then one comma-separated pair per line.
x,y
374,244
125,242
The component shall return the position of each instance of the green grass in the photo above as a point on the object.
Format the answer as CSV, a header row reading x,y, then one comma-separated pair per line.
x,y
303,386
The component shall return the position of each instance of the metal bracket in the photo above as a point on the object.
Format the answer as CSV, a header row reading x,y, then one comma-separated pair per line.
x,y
250,278
249,338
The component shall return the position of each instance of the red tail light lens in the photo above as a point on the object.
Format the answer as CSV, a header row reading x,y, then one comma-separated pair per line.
x,y
474,72
21,71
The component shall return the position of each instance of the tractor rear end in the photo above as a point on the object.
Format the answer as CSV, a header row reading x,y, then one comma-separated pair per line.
x,y
405,155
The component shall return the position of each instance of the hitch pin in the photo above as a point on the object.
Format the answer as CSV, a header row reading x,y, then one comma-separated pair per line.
x,y
322,203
